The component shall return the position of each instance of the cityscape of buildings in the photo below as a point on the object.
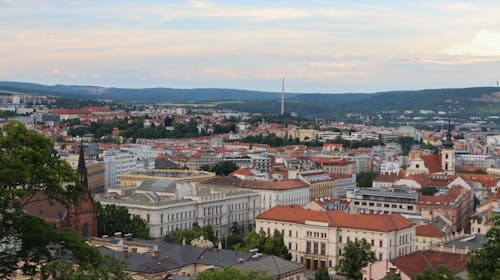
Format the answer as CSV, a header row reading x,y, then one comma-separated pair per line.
x,y
430,203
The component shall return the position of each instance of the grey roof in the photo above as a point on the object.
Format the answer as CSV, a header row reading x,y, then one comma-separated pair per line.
x,y
272,265
222,257
473,242
173,256
158,186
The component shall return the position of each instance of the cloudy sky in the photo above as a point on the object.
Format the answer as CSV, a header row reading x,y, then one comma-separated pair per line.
x,y
319,46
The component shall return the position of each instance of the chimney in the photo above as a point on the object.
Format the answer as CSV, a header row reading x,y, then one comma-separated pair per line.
x,y
125,251
156,252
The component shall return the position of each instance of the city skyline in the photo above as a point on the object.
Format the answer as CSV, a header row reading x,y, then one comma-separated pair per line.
x,y
318,47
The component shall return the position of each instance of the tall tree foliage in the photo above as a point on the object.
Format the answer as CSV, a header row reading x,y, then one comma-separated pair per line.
x,y
267,244
484,263
112,218
357,255
232,273
442,272
187,235
28,167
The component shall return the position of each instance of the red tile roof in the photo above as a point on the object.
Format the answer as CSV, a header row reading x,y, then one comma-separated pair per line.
x,y
444,199
432,162
373,222
274,185
415,263
429,230
390,177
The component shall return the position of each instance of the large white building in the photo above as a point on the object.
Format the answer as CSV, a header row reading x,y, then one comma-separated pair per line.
x,y
168,206
317,238
124,160
284,192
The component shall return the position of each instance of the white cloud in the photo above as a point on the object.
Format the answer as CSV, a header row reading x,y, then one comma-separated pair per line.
x,y
484,43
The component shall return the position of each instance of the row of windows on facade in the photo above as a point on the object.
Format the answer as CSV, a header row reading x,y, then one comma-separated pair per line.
x,y
191,214
386,205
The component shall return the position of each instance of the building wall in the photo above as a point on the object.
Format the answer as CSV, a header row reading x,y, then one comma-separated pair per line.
x,y
219,210
319,236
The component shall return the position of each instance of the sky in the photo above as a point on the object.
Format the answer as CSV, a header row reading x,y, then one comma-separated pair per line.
x,y
318,46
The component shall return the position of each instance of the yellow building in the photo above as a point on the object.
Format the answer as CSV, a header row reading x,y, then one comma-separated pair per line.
x,y
136,177
427,235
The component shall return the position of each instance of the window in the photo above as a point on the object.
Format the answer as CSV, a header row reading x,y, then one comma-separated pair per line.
x,y
380,243
308,247
147,218
372,243
417,165
289,233
315,248
379,256
340,252
330,263
410,207
161,218
323,249
289,245
161,231
348,239
340,238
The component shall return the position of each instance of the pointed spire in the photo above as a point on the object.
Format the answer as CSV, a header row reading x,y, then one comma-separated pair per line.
x,y
82,168
448,143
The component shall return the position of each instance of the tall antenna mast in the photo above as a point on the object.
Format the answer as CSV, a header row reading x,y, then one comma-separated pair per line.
x,y
282,96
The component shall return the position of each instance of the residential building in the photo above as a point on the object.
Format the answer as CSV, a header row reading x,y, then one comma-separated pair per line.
x,y
317,238
454,206
428,235
320,184
367,200
341,183
118,162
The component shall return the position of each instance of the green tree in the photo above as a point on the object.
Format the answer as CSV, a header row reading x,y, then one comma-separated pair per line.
x,y
429,190
442,272
224,168
187,235
428,146
365,179
392,277
321,274
107,268
267,244
29,167
112,218
484,263
406,142
232,273
357,255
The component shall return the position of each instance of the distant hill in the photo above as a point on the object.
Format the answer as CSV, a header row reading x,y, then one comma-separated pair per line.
x,y
480,100
144,95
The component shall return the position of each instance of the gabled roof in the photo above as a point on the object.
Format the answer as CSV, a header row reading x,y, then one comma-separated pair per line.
x,y
373,222
416,262
429,230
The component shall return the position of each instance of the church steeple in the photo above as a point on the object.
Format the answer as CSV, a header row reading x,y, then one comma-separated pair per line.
x,y
448,143
82,168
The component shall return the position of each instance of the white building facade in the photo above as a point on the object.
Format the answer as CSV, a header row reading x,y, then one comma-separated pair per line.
x,y
317,238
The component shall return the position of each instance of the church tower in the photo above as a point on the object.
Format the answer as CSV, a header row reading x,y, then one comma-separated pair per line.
x,y
448,154
82,215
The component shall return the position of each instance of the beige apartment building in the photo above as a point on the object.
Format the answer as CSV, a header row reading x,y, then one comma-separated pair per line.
x,y
317,238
